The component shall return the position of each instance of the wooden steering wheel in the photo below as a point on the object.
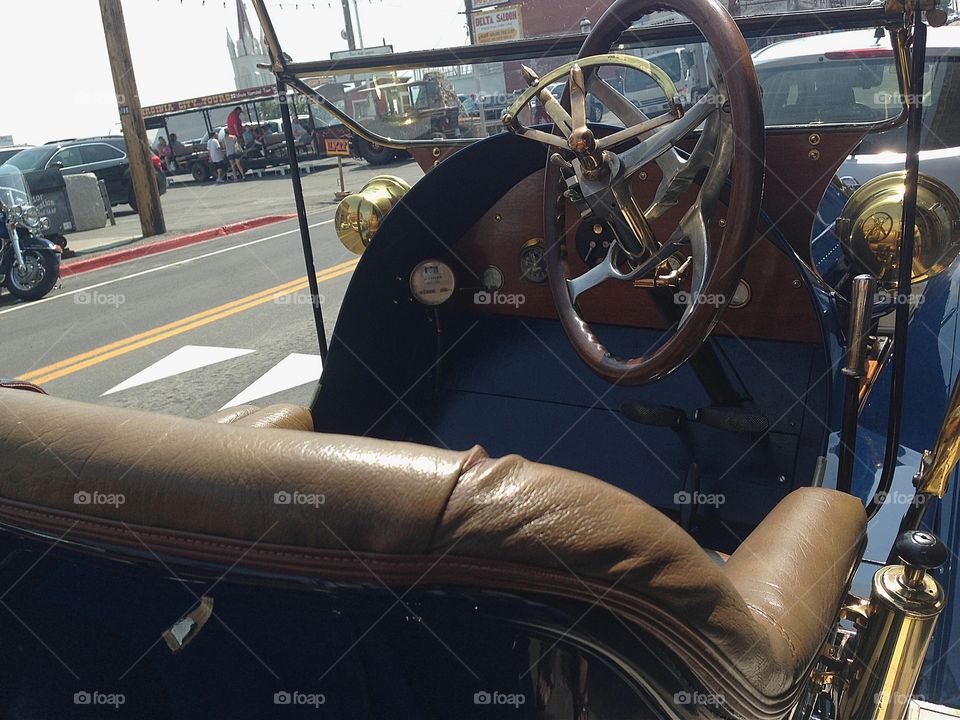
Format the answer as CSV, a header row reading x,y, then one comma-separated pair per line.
x,y
596,175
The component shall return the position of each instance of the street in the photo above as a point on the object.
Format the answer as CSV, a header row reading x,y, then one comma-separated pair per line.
x,y
186,332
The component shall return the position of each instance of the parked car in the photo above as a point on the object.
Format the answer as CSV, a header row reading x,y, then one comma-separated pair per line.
x,y
105,157
851,77
8,152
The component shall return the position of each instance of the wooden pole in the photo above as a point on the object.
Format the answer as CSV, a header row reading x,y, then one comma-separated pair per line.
x,y
142,172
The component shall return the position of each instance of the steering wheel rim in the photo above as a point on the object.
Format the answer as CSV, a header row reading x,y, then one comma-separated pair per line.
x,y
722,273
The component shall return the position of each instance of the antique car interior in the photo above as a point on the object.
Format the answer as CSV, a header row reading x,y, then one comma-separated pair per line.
x,y
581,417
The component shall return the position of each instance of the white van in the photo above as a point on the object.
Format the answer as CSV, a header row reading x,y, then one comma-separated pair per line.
x,y
686,66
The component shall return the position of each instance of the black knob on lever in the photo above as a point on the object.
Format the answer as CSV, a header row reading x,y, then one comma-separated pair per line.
x,y
920,551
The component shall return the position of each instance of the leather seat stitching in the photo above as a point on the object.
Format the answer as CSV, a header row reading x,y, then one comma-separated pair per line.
x,y
793,650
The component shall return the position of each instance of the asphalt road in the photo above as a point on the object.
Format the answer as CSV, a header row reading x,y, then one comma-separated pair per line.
x,y
188,331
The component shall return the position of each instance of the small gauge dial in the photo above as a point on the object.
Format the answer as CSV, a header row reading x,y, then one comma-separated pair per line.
x,y
593,241
742,295
432,282
491,279
533,268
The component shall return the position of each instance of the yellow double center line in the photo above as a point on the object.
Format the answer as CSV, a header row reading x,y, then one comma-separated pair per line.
x,y
164,332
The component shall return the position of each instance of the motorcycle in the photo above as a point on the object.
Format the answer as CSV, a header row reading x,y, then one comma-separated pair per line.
x,y
29,263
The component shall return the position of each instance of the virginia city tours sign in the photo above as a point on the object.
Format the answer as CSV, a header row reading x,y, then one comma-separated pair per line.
x,y
501,24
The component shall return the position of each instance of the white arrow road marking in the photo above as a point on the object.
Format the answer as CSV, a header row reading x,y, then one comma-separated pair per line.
x,y
187,358
293,371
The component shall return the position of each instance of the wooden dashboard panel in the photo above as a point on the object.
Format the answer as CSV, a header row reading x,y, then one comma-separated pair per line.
x,y
780,307
799,166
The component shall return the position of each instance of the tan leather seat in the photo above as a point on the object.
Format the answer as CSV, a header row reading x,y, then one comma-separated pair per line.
x,y
373,511
280,417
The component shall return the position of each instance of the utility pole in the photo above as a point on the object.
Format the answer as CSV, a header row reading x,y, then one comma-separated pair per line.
x,y
468,7
356,11
142,172
348,25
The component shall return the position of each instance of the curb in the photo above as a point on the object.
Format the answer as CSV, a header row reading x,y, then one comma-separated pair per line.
x,y
76,267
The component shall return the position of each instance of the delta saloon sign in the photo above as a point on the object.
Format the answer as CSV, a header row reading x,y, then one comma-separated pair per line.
x,y
502,24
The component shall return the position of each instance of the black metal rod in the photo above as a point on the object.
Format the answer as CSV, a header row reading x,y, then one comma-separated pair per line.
x,y
848,434
302,216
905,269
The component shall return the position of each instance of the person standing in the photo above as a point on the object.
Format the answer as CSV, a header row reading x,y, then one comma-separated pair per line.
x,y
165,153
218,160
235,122
229,142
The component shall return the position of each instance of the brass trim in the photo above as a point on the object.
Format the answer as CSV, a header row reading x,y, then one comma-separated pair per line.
x,y
937,466
891,649
629,61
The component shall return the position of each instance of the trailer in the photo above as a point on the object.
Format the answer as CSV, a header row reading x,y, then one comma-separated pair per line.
x,y
190,123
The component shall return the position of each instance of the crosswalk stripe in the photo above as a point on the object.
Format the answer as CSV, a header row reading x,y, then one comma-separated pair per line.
x,y
150,337
293,371
187,358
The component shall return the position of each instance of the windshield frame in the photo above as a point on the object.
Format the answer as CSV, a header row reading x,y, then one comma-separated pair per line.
x,y
295,74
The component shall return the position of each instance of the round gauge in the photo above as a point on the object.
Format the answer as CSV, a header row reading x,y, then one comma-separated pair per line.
x,y
492,279
432,282
593,241
532,265
741,296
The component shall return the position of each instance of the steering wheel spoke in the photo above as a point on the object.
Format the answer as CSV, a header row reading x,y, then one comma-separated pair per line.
x,y
607,269
670,134
683,172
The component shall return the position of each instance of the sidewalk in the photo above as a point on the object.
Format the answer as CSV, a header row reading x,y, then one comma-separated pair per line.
x,y
190,208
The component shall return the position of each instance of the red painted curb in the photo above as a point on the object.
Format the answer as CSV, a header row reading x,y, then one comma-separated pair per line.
x,y
69,269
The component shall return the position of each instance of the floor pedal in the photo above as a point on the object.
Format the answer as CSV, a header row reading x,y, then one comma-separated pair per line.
x,y
654,415
733,420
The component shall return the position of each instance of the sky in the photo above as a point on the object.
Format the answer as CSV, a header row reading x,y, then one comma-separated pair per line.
x,y
179,51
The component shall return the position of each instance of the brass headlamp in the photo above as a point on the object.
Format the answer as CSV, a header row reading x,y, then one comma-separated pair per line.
x,y
360,215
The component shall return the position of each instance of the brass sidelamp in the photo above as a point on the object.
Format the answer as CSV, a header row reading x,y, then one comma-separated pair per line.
x,y
870,229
